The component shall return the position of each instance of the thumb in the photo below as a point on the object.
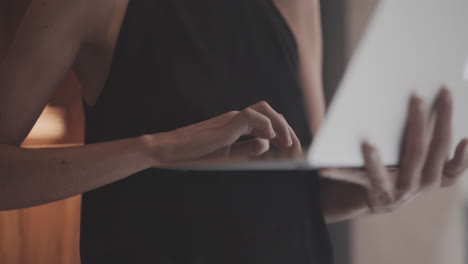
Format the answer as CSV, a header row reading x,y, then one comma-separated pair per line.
x,y
250,148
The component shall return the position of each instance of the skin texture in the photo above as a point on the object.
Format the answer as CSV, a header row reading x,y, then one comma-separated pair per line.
x,y
424,164
80,35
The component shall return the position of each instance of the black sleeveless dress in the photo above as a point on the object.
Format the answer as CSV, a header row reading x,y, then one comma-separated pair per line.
x,y
178,62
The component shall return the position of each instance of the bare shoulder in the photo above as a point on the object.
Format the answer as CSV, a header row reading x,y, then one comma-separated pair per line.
x,y
298,12
303,16
46,44
298,6
85,18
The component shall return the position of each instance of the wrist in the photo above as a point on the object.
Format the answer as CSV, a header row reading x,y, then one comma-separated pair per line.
x,y
151,148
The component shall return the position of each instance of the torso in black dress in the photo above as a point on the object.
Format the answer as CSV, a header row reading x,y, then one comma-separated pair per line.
x,y
178,62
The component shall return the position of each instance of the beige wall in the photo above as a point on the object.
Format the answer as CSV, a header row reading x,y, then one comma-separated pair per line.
x,y
427,231
430,229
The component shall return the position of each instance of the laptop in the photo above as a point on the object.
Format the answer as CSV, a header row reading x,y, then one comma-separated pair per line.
x,y
410,46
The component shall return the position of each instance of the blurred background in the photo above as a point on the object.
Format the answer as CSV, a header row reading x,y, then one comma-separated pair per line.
x,y
431,230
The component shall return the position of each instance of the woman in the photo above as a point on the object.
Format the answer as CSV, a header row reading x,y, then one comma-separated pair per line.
x,y
149,70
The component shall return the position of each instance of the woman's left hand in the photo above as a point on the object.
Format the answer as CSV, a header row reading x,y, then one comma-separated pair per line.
x,y
424,161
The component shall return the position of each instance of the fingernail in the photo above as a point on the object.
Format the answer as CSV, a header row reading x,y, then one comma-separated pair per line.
x,y
274,134
290,141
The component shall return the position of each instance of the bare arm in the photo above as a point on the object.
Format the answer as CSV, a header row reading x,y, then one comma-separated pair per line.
x,y
303,16
42,53
46,45
339,200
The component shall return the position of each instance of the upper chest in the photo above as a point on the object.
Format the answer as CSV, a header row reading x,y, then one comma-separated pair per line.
x,y
215,20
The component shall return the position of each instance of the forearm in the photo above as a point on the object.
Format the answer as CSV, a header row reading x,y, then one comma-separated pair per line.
x,y
30,177
342,201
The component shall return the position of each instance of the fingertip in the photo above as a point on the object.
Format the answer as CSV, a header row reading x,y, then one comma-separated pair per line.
x,y
290,141
462,149
367,147
273,134
445,95
414,97
370,152
464,142
416,101
445,91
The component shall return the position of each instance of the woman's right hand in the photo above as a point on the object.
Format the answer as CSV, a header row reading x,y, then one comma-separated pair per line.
x,y
217,138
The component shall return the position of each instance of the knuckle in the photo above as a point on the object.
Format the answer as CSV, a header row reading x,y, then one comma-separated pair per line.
x,y
232,113
268,122
247,112
263,105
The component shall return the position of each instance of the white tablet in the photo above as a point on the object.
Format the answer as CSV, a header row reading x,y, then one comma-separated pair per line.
x,y
410,46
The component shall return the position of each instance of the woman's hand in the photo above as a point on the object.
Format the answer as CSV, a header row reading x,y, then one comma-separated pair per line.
x,y
217,138
424,162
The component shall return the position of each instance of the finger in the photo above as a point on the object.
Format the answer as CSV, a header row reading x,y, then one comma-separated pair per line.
x,y
249,148
440,143
219,120
296,147
455,167
253,123
280,125
381,192
414,147
295,150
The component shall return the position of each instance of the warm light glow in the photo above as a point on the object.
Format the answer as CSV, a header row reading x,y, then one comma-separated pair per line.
x,y
49,127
